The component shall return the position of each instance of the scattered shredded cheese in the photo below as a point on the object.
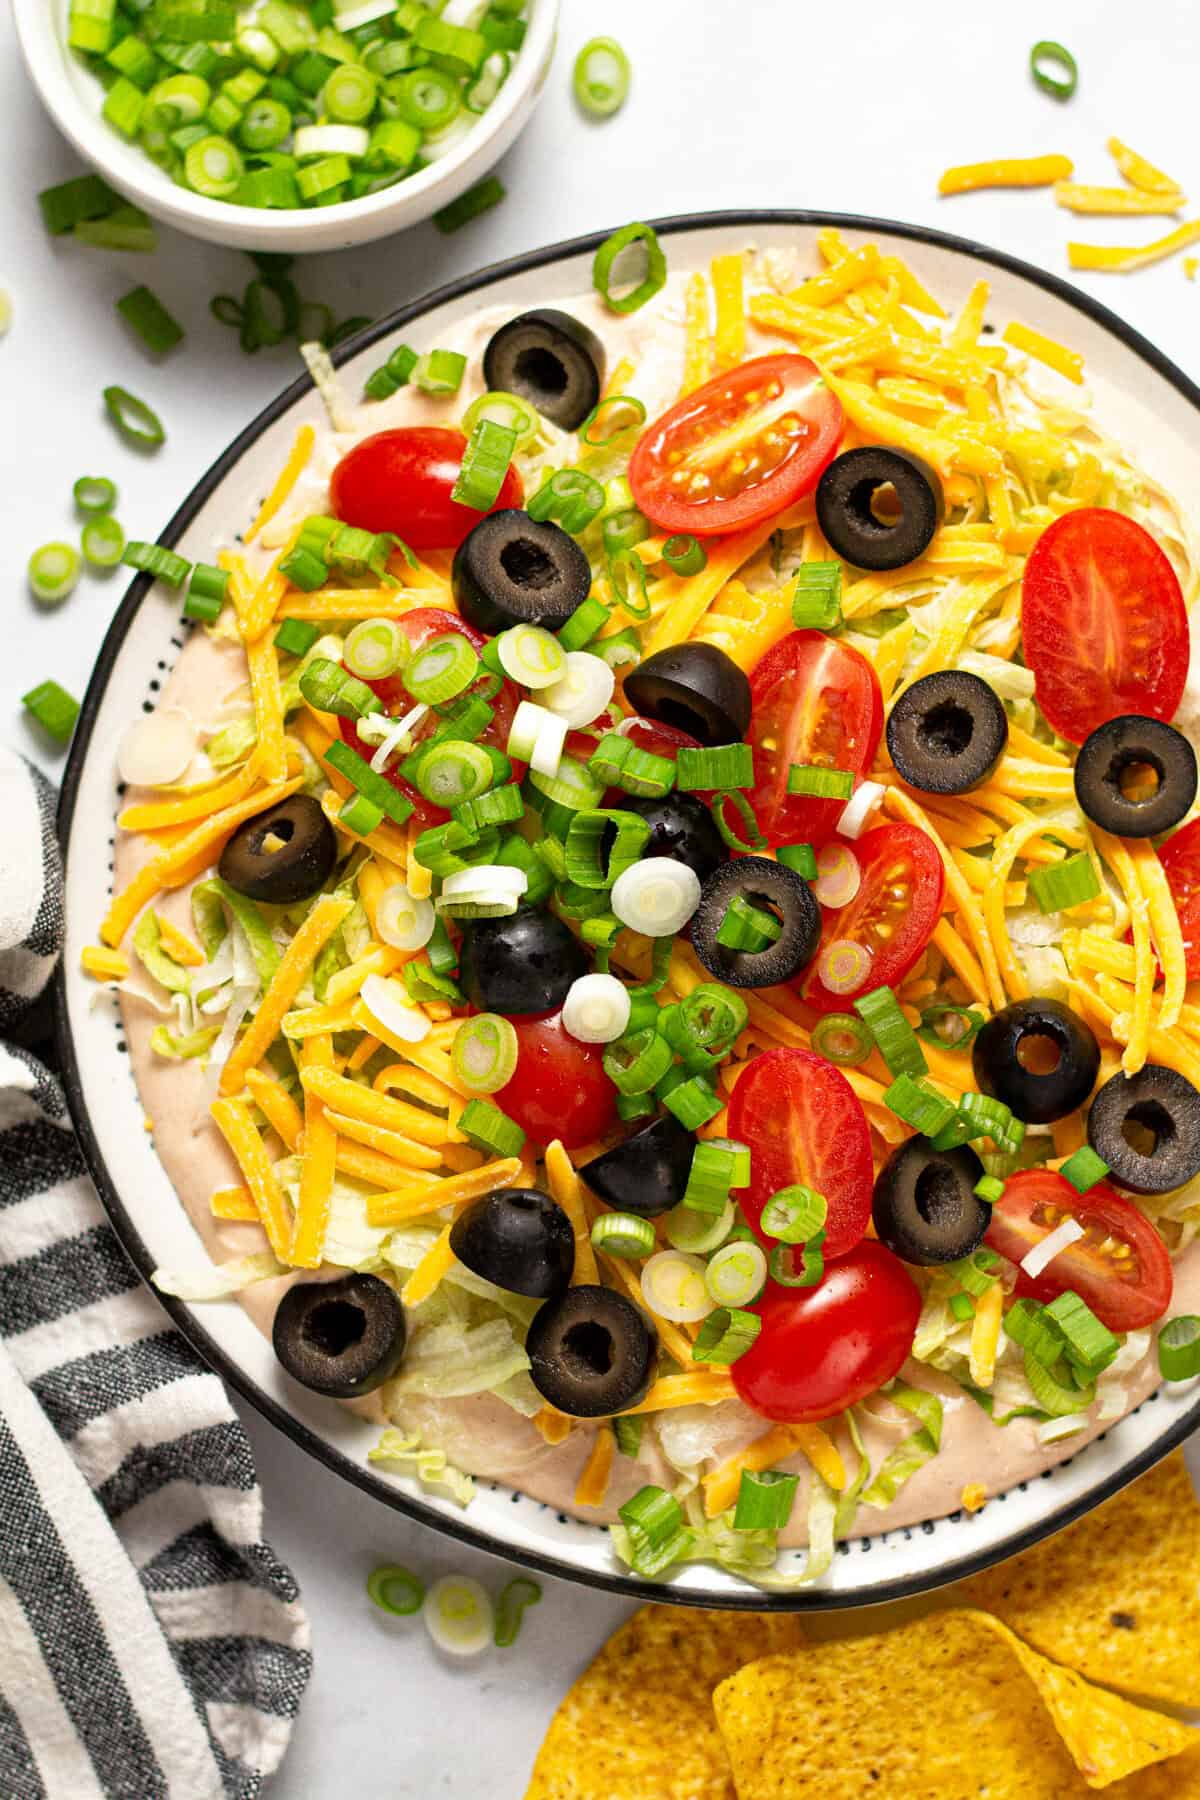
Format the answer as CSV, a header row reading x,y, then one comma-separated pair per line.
x,y
285,481
1016,171
1119,259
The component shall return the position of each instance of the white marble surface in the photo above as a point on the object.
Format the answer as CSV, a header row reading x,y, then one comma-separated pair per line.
x,y
765,103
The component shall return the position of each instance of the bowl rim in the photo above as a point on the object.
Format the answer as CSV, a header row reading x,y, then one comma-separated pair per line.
x,y
45,56
752,1599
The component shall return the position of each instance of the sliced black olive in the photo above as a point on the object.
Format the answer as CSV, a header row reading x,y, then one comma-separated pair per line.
x,y
341,1338
1147,1129
695,687
648,1173
283,855
523,964
878,508
552,361
925,1207
1135,777
514,570
774,889
947,732
681,827
592,1352
518,1238
1039,1058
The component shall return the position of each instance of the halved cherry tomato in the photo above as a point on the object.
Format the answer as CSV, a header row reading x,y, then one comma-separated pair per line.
x,y
815,700
741,448
821,1349
805,1127
420,625
401,481
893,914
1180,858
1103,621
1120,1268
559,1088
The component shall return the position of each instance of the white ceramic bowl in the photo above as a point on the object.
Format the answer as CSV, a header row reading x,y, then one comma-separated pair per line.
x,y
73,97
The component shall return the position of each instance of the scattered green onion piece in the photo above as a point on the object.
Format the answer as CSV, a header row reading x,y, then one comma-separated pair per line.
x,y
395,1590
135,421
645,775
54,709
502,33
684,554
1058,886
711,1018
619,649
123,107
989,1188
627,528
657,1534
635,1063
512,1603
962,1307
583,624
587,864
359,773
453,772
484,1053
303,569
349,95
375,649
1053,1396
694,1102
213,167
1091,1346
969,1026
820,783
226,310
974,1272
392,375
811,1272
1179,1348
623,1234
717,1166
439,371
918,1105
610,253
126,228
765,1500
601,77
478,199
485,465
94,494
295,637
443,957
490,1130
145,314
1027,1325
502,806
572,500
896,1040
480,93
802,858
71,202
636,1106
156,560
1084,1169
737,1273
718,766
842,1038
53,572
754,838
628,1433
627,579
794,1215
209,582
441,669
200,605
725,1335
422,982
529,655
102,541
817,597
612,419
979,1115
360,815
1044,59
747,928
513,414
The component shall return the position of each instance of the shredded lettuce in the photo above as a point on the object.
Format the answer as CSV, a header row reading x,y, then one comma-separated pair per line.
x,y
403,1453
351,1242
183,1046
218,1280
920,1447
233,743
449,1360
751,1555
155,960
1010,680
209,900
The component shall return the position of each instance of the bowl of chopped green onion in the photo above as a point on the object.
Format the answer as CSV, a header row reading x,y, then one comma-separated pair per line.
x,y
291,125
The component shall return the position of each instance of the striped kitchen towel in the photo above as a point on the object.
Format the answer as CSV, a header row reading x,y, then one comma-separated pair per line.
x,y
151,1644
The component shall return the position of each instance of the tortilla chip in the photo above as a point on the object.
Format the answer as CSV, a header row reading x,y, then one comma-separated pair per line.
x,y
942,1708
1117,1595
638,1724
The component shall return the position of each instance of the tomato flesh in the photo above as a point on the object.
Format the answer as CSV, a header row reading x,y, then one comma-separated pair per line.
x,y
805,1127
1120,1267
743,447
822,1349
815,700
1180,858
1103,622
419,626
893,915
401,481
559,1088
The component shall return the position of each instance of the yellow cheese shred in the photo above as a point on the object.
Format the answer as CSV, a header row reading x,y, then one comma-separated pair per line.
x,y
729,297
352,603
235,1204
1078,197
964,901
324,919
318,1161
706,1388
1055,356
233,1121
359,1102
159,815
1119,260
271,752
1011,171
775,1446
671,1337
985,1335
966,328
852,268
1165,929
697,349
285,481
418,1200
405,1150
1140,173
1116,855
437,1262
565,1187
102,964
553,1426
593,1482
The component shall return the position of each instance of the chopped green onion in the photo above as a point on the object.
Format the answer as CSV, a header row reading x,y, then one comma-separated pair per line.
x,y
979,1115
123,107
601,77
684,554
127,228
485,465
623,1234
611,251
94,494
1091,1346
588,864
392,375
135,421
583,625
794,1215
54,709
512,413
349,95
453,772
718,1164
817,597
512,1603
484,1053
627,579
102,541
747,928
974,1272
841,1038
640,1106
422,982
990,1189
1027,1325
360,815
725,1335
1084,1169
375,649
71,202
1053,1396
1045,60
324,182
717,766
636,1063
962,1307
572,500
1179,1348
822,784
156,560
628,1433
950,1027
754,838
765,1500
205,597
359,773
657,1535
811,1272
145,313
737,1273
918,1105
502,806
710,1019
395,1590
439,371
529,655
441,669
489,1129
622,530
693,1102
697,1233
801,858
895,1038
477,200
612,419
53,572
1058,886
213,167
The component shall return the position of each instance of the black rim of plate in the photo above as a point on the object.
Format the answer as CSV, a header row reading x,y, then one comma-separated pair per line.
x,y
750,1599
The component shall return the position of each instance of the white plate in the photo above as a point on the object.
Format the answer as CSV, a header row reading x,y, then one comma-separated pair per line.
x,y
1141,397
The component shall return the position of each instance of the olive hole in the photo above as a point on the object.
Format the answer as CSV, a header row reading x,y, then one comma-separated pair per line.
x,y
587,1349
1139,781
1146,1127
937,1196
875,504
946,730
1038,1053
885,505
539,368
276,837
334,1326
527,565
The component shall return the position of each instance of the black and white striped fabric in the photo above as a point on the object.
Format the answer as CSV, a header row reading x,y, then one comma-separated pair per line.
x,y
151,1644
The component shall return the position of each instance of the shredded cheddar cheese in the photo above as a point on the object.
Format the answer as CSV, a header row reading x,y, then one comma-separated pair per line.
x,y
1119,260
271,752
729,335
565,1187
318,1161
285,481
1140,173
1013,171
102,964
233,1121
429,1272
698,350
593,1482
324,919
418,1200
1077,197
235,1204
1056,356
